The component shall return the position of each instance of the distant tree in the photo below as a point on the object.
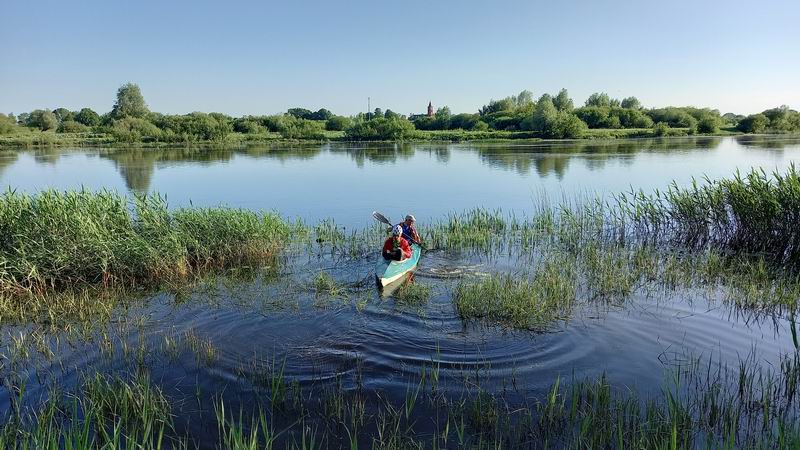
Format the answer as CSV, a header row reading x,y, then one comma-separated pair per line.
x,y
732,119
22,119
480,126
43,119
321,114
71,126
562,102
300,113
130,103
132,129
495,106
631,103
248,125
755,123
380,128
600,99
378,113
565,126
7,123
464,121
542,117
661,129
389,114
339,123
441,119
523,100
708,124
63,114
87,117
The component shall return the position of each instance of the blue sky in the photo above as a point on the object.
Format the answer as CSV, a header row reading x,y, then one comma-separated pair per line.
x,y
257,57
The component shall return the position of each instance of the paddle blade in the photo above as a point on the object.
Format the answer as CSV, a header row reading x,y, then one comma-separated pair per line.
x,y
380,217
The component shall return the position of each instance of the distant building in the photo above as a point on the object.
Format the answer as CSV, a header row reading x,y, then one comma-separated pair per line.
x,y
413,116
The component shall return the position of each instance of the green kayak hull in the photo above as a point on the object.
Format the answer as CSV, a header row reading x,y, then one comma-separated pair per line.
x,y
389,271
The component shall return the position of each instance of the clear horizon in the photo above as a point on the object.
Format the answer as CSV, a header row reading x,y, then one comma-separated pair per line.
x,y
254,58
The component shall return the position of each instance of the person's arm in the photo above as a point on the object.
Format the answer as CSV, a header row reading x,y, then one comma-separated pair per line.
x,y
406,248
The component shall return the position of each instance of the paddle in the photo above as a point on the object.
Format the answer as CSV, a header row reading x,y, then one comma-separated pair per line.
x,y
381,218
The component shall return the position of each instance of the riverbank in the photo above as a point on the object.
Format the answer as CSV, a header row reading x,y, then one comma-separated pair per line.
x,y
32,139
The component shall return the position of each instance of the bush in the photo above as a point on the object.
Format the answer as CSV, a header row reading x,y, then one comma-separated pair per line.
x,y
338,123
132,129
661,129
43,119
754,123
7,124
565,126
294,128
87,117
248,125
380,129
708,124
480,126
195,126
71,126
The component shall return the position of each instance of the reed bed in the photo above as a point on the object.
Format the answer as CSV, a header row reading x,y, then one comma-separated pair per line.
x,y
55,240
702,404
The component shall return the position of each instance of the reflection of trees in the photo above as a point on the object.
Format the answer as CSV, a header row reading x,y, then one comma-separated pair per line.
x,y
47,155
7,158
768,142
379,153
551,163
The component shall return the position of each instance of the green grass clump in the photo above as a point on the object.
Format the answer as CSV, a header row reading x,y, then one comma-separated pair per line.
x,y
413,293
54,240
531,302
324,284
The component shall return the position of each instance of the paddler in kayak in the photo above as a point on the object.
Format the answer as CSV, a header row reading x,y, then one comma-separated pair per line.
x,y
410,230
396,248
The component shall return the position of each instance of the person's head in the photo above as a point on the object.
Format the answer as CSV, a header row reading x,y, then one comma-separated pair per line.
x,y
397,231
410,220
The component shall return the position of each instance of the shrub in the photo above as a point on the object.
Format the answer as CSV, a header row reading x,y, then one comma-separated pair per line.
x,y
132,129
754,123
708,124
565,126
661,129
87,117
380,129
43,119
294,128
247,125
71,126
7,124
338,123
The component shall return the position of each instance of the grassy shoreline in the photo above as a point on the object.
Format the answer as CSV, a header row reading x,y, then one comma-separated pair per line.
x,y
47,139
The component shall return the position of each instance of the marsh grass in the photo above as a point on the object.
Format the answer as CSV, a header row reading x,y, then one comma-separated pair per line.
x,y
529,302
54,240
413,293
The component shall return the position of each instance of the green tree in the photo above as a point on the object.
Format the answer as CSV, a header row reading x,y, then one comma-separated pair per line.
x,y
631,103
389,114
441,119
87,117
300,113
565,126
339,123
708,124
563,102
71,126
542,117
43,119
600,99
380,129
754,123
63,114
7,123
321,114
130,103
378,113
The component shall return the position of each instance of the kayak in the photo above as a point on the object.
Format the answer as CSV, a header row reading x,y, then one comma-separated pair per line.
x,y
388,271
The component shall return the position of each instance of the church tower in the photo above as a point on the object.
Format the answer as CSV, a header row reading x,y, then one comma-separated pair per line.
x,y
430,109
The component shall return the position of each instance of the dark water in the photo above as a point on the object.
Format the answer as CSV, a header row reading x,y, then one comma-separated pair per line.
x,y
381,339
347,182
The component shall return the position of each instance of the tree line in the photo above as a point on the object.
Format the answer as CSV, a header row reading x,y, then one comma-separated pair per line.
x,y
549,116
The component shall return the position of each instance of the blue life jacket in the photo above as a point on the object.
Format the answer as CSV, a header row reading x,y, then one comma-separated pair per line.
x,y
407,233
